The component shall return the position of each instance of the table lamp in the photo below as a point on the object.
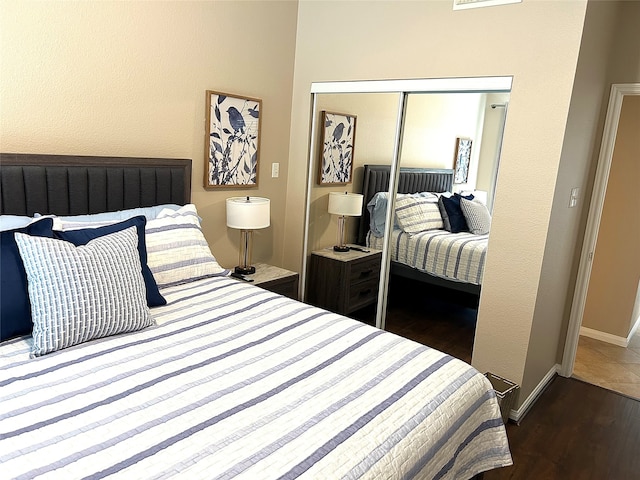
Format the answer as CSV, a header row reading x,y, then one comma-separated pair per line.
x,y
344,205
247,214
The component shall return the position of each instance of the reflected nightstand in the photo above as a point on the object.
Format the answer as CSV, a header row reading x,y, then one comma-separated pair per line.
x,y
344,282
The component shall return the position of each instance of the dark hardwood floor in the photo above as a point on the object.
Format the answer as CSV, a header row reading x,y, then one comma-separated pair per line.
x,y
575,430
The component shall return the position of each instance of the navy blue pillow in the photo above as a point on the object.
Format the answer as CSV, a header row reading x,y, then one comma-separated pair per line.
x,y
15,308
451,213
85,235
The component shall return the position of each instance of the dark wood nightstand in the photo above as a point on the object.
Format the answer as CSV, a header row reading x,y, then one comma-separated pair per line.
x,y
344,282
275,279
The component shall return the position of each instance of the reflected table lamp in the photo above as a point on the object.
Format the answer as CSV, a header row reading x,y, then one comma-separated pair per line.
x,y
247,214
344,205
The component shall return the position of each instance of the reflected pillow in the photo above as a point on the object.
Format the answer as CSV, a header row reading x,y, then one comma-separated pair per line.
x,y
415,214
452,215
477,216
377,207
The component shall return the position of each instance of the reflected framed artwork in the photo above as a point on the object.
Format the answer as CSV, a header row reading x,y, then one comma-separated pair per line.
x,y
337,146
461,160
232,141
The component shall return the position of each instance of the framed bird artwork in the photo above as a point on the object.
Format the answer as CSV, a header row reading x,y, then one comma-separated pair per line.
x,y
336,148
232,141
461,160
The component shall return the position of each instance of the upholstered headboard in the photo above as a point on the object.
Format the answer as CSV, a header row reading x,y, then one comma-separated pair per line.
x,y
77,185
411,180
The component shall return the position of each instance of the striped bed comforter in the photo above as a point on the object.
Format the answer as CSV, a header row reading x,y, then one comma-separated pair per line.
x,y
454,256
237,382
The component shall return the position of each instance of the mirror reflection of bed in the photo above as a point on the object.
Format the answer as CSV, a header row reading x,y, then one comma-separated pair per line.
x,y
436,266
440,313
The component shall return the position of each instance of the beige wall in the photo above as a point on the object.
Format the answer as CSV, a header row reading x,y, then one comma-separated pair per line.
x,y
615,273
537,43
610,53
129,79
432,124
566,225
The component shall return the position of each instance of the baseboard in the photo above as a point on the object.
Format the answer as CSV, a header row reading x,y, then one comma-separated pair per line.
x,y
633,329
606,337
518,415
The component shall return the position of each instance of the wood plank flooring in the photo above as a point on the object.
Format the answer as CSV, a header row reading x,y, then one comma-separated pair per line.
x,y
574,431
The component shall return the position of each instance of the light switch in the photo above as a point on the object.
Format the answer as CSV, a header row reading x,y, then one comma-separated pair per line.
x,y
573,199
275,170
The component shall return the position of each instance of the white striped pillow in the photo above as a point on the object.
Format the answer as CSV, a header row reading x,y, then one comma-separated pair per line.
x,y
177,251
418,214
81,293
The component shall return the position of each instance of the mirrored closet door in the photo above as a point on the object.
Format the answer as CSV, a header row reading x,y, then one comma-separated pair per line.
x,y
448,148
399,128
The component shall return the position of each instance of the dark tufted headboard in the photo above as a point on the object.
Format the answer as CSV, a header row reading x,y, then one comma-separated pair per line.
x,y
412,180
77,185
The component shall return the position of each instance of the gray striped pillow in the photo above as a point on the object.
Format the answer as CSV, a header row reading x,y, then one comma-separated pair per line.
x,y
81,293
415,214
477,216
177,251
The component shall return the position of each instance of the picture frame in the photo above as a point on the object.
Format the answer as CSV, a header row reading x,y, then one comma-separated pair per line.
x,y
461,160
337,144
232,141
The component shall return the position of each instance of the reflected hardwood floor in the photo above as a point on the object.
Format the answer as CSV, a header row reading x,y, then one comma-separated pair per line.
x,y
432,316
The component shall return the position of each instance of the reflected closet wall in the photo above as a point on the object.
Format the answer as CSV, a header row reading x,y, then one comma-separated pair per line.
x,y
411,123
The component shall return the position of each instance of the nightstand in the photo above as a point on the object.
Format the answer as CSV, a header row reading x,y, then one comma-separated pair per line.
x,y
275,279
344,282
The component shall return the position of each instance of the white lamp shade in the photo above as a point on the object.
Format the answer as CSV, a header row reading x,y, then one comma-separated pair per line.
x,y
248,213
347,204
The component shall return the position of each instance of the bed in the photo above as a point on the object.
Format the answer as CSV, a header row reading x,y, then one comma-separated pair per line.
x,y
228,380
437,257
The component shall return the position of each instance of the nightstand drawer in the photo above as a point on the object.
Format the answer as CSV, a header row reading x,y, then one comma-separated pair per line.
x,y
287,286
275,279
363,294
344,282
365,269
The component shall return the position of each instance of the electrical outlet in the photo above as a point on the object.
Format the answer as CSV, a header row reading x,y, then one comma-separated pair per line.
x,y
275,170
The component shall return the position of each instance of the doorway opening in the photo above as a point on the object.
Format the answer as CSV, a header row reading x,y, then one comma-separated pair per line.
x,y
603,344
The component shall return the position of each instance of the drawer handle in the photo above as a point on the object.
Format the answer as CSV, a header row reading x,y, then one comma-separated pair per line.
x,y
365,292
365,273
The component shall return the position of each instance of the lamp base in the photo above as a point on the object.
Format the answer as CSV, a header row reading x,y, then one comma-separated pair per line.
x,y
245,270
338,248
